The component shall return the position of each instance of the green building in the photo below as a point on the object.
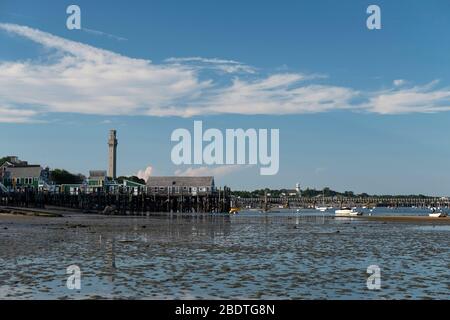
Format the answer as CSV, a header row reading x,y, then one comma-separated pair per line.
x,y
21,176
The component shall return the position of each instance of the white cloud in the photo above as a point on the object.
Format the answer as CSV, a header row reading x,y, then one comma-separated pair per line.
x,y
83,79
145,174
276,94
424,99
78,78
12,115
218,171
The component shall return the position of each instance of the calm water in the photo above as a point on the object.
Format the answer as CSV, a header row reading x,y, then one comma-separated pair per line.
x,y
278,256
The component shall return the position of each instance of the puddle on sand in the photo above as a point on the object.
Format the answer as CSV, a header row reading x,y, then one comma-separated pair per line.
x,y
256,257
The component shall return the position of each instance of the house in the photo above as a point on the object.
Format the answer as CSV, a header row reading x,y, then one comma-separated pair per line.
x,y
73,189
180,185
18,176
99,181
133,187
10,161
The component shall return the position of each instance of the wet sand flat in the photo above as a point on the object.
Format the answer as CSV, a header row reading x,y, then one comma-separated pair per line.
x,y
223,257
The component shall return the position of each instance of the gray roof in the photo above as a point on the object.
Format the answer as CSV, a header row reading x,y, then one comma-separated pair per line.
x,y
24,171
180,181
97,173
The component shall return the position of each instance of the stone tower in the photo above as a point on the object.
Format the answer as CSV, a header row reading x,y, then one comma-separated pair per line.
x,y
112,144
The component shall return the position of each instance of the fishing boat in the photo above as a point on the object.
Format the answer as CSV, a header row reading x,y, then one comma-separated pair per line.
x,y
234,210
347,212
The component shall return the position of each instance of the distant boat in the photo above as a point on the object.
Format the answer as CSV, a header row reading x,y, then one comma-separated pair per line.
x,y
234,210
321,209
346,212
438,215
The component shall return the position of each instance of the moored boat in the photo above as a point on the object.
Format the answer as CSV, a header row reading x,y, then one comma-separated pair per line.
x,y
347,212
437,214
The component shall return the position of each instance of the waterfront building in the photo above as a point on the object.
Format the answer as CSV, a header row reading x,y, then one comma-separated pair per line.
x,y
18,176
73,189
181,185
133,187
97,181
10,161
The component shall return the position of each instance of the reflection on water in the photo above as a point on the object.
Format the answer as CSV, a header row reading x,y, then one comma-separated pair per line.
x,y
250,255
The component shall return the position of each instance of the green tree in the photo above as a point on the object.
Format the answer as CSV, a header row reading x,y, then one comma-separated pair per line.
x,y
61,176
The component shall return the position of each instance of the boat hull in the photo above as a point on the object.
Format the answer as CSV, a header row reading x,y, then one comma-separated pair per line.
x,y
438,215
347,213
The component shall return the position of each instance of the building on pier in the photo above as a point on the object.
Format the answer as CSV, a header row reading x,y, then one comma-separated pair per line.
x,y
99,181
25,176
8,162
132,187
181,185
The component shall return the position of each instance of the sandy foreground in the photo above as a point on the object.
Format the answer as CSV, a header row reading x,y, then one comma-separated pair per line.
x,y
226,257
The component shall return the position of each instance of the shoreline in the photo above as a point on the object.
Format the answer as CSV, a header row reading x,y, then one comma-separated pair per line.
x,y
57,212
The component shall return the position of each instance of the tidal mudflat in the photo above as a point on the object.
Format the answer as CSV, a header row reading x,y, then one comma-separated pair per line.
x,y
254,256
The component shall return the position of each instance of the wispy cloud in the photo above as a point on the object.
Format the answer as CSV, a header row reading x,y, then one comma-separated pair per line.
x,y
14,115
424,99
80,78
218,171
104,34
227,66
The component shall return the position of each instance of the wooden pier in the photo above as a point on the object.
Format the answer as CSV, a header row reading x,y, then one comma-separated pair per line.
x,y
312,202
122,204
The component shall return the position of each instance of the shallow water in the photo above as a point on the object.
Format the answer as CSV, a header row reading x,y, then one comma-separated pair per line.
x,y
250,255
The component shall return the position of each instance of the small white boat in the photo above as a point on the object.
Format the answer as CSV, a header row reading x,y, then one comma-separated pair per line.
x,y
321,209
347,212
438,215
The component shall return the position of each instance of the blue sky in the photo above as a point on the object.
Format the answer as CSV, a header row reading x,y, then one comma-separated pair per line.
x,y
357,110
